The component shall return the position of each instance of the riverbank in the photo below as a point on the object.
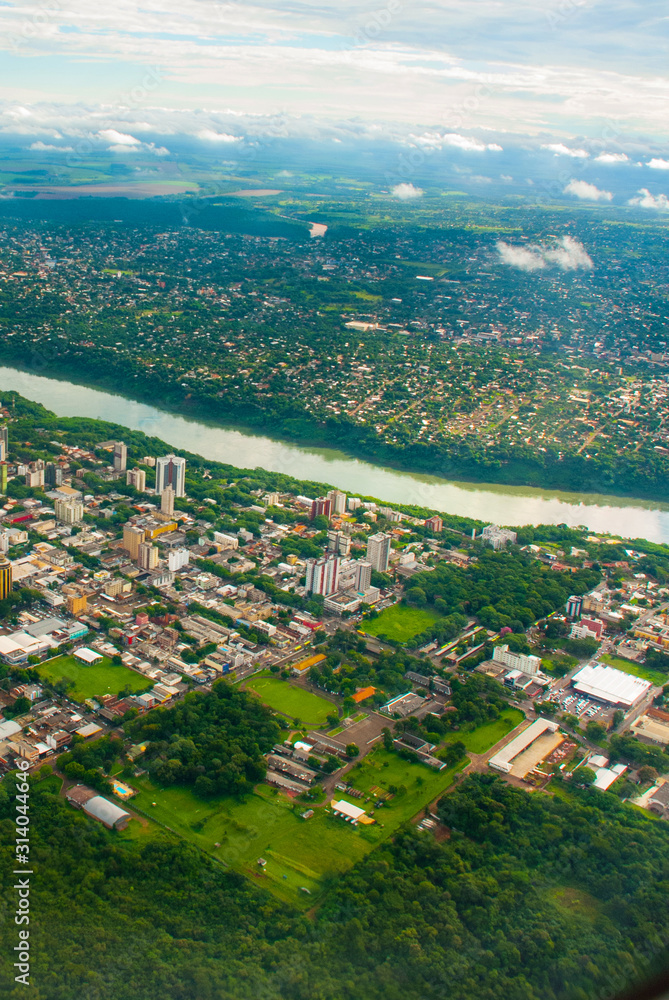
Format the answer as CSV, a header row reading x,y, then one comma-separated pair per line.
x,y
573,478
510,505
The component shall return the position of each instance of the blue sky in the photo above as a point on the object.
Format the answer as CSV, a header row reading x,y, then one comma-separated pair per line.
x,y
565,67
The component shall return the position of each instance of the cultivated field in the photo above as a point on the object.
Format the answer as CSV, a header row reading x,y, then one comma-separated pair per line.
x,y
92,681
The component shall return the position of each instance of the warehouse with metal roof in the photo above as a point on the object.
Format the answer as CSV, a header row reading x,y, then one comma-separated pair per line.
x,y
613,687
503,761
107,812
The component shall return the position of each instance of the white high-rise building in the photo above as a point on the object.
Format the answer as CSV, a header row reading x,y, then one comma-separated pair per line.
x,y
171,471
322,575
177,559
337,501
378,551
120,456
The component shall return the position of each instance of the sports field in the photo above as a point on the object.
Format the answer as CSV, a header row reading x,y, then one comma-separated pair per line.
x,y
636,669
400,623
92,681
290,700
484,737
268,825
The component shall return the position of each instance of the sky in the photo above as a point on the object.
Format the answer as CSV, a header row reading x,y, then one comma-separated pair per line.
x,y
564,67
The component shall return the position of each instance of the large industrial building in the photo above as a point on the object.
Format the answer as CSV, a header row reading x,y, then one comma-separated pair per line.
x,y
610,686
504,760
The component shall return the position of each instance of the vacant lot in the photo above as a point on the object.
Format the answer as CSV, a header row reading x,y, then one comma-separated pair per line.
x,y
400,623
292,701
93,681
484,737
636,669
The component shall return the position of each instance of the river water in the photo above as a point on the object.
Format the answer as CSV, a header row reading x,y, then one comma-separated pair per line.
x,y
509,505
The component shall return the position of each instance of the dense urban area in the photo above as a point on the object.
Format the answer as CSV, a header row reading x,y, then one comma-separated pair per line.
x,y
312,743
468,340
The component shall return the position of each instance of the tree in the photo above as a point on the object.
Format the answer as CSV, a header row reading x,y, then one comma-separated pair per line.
x,y
584,776
387,738
647,775
352,750
595,730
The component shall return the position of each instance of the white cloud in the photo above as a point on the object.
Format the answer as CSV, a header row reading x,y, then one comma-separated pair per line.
x,y
659,202
560,149
118,138
587,192
567,254
209,135
612,158
406,192
657,164
119,147
46,147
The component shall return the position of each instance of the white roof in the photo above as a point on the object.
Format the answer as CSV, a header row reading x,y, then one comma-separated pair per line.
x,y
605,776
88,730
348,809
104,810
610,685
9,728
502,760
87,655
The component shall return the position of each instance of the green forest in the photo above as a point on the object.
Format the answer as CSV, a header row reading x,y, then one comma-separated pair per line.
x,y
558,897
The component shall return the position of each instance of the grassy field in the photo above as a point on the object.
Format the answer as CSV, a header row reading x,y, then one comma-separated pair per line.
x,y
484,737
636,669
294,702
400,623
300,854
93,681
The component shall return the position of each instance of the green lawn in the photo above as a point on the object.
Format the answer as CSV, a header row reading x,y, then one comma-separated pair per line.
x,y
267,824
292,701
484,737
93,681
636,669
400,622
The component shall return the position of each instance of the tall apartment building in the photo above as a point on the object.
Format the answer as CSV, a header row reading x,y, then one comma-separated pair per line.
x,y
353,503
137,478
322,576
339,542
35,474
69,511
516,661
5,577
497,537
321,505
167,501
171,471
177,559
378,551
133,537
363,575
4,437
147,556
53,474
120,456
77,604
434,524
337,501
3,451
